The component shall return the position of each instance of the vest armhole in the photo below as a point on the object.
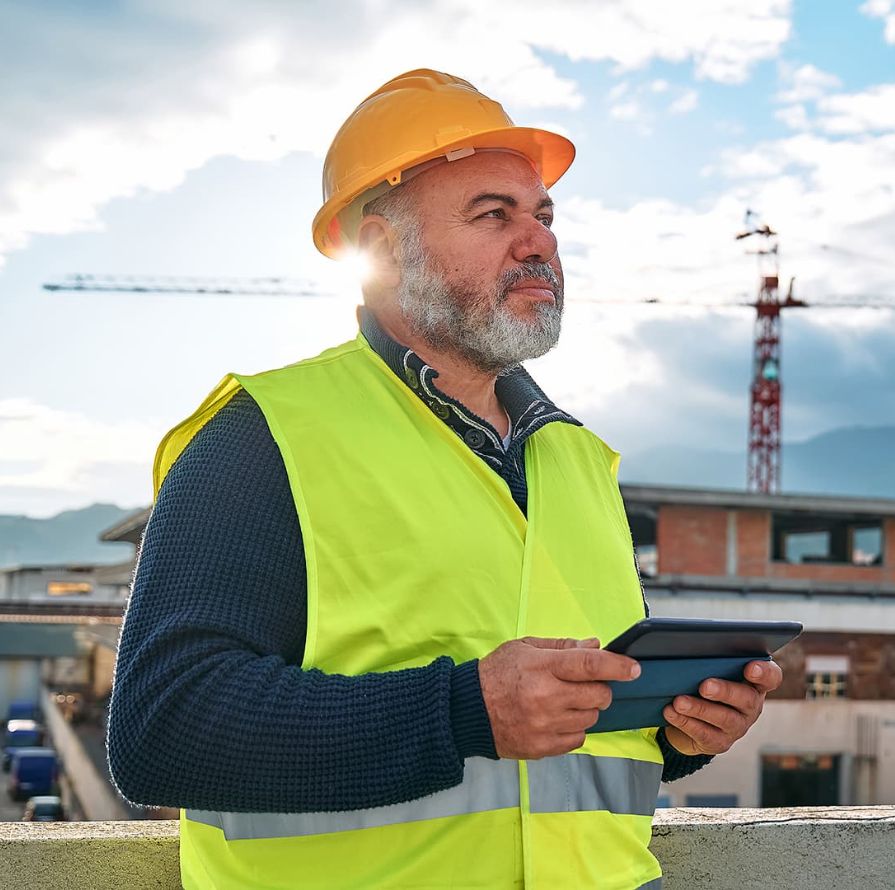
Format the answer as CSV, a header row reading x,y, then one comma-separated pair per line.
x,y
176,440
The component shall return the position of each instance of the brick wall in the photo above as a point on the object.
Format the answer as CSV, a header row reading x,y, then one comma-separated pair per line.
x,y
692,540
871,673
753,543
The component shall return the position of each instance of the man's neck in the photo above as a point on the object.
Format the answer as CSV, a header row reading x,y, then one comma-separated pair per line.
x,y
457,378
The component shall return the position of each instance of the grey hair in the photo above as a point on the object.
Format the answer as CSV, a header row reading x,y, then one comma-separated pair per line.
x,y
397,205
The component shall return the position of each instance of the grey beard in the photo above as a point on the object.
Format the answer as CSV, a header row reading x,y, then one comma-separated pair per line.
x,y
483,332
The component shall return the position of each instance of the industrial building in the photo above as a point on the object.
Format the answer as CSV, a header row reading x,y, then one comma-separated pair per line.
x,y
827,736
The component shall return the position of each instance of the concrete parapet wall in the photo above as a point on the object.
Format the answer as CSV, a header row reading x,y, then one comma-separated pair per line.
x,y
821,849
89,855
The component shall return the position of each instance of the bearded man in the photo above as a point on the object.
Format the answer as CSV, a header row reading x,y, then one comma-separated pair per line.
x,y
361,646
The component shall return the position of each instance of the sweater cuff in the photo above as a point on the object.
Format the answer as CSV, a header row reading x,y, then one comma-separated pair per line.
x,y
678,765
469,717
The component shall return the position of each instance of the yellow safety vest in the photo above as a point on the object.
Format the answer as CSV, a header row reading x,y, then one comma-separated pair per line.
x,y
415,549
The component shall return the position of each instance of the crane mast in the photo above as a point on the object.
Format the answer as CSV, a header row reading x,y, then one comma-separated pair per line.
x,y
763,463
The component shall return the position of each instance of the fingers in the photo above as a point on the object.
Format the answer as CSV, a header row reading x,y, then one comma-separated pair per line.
x,y
585,664
584,696
560,744
576,721
765,676
561,643
744,698
720,716
708,737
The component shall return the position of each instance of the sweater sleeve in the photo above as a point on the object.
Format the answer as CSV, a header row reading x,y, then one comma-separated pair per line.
x,y
677,765
210,709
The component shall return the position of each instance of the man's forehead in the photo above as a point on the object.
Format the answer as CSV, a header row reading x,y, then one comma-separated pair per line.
x,y
487,173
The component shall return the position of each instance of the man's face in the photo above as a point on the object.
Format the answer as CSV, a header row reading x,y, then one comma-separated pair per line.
x,y
480,275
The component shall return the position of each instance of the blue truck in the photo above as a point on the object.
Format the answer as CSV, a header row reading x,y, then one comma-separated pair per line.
x,y
20,734
23,709
34,771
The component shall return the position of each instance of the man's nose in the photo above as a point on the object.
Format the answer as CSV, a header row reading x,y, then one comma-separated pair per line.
x,y
534,242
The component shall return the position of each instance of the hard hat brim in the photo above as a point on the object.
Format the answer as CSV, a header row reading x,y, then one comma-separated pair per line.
x,y
550,154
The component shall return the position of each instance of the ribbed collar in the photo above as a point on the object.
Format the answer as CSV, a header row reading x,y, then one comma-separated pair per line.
x,y
528,407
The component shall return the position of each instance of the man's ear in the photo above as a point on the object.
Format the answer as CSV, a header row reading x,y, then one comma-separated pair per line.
x,y
378,243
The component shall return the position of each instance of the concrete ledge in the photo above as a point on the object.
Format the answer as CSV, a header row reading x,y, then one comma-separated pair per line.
x,y
85,855
821,849
824,848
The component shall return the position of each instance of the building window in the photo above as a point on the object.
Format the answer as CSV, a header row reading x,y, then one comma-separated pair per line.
x,y
648,560
826,676
801,538
642,522
69,588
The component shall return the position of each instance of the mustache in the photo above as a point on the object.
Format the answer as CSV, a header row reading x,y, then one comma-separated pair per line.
x,y
530,271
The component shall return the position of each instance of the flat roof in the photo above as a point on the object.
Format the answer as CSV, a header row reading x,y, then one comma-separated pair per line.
x,y
129,529
50,567
745,585
655,495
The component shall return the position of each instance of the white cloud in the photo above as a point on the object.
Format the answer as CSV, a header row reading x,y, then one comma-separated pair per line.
x,y
619,90
97,111
885,10
627,111
723,38
686,102
872,110
805,83
70,459
794,116
868,111
831,200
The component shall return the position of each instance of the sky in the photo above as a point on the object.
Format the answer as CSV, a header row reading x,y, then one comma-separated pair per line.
x,y
169,138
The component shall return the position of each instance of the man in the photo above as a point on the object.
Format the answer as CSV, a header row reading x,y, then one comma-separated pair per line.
x,y
361,644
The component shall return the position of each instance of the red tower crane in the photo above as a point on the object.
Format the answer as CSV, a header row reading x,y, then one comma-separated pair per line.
x,y
763,454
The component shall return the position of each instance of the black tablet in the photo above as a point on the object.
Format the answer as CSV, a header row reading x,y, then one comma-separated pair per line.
x,y
703,638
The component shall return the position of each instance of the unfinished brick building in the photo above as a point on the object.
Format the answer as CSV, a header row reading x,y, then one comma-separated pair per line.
x,y
828,735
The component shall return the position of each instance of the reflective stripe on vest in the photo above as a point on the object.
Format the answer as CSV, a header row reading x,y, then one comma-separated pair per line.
x,y
577,783
487,785
573,783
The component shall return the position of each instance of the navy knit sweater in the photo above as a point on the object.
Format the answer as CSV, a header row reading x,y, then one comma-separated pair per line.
x,y
210,709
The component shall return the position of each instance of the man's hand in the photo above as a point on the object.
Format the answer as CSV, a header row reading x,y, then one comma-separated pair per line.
x,y
542,694
723,714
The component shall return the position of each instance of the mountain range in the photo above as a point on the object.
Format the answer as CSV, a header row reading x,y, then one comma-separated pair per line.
x,y
71,536
857,461
846,461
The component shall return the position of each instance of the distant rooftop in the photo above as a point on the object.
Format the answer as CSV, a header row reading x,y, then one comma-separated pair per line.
x,y
653,495
131,527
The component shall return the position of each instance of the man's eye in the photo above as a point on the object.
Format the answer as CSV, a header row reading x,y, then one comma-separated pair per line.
x,y
546,220
496,213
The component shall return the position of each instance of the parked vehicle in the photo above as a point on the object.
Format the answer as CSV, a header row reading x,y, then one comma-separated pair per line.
x,y
23,709
34,771
20,734
44,808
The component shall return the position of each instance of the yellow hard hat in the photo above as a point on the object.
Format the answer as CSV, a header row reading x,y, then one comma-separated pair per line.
x,y
414,118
